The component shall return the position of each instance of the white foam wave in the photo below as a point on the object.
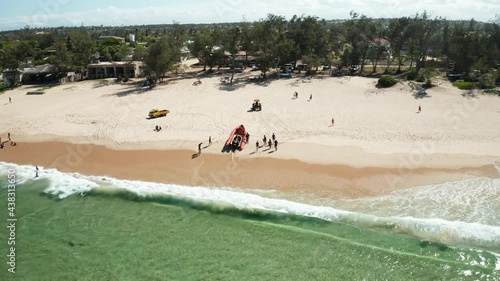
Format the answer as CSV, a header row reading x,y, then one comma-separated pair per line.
x,y
60,184
433,229
473,200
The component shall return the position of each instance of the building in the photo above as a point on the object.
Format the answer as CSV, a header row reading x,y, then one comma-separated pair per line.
x,y
128,69
12,77
131,37
101,38
40,74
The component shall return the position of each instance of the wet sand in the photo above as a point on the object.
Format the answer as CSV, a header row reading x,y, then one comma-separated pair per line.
x,y
233,170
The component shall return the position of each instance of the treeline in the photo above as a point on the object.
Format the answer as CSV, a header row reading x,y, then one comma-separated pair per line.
x,y
469,48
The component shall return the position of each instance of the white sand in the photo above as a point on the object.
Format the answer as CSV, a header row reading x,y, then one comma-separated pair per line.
x,y
373,127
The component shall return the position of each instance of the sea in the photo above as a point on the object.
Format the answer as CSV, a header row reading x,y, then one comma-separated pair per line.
x,y
69,226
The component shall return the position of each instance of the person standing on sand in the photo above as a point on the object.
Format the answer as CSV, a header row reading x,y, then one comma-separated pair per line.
x,y
274,137
210,140
10,100
257,146
419,108
311,97
199,148
333,121
247,138
270,144
264,140
275,145
8,135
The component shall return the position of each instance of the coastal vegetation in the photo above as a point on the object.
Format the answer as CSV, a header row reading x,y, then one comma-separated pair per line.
x,y
421,45
464,85
386,81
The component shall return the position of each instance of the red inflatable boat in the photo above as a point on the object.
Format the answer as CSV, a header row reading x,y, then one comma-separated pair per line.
x,y
238,137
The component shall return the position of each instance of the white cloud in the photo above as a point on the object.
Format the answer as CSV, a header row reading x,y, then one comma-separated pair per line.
x,y
236,10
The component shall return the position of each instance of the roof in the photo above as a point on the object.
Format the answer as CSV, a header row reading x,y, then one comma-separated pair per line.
x,y
108,37
116,63
44,68
382,41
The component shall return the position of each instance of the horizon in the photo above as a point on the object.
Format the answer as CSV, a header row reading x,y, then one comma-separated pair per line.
x,y
58,13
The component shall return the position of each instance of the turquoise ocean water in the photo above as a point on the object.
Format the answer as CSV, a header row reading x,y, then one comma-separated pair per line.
x,y
74,227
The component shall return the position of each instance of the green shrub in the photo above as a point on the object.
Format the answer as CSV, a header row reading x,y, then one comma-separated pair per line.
x,y
125,79
387,81
412,75
492,92
488,80
119,78
464,85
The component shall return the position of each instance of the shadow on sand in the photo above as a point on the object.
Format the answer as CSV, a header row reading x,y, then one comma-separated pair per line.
x,y
229,148
149,118
421,94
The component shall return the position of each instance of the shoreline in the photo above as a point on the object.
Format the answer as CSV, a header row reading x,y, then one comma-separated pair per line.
x,y
418,156
290,176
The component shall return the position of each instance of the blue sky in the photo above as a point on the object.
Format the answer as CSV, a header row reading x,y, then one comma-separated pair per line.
x,y
40,13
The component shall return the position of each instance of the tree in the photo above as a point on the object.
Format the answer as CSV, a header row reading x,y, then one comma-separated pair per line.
x,y
270,41
8,59
336,39
246,38
378,47
230,39
161,58
424,31
471,46
110,48
177,34
62,57
202,46
83,48
360,32
140,53
310,38
122,53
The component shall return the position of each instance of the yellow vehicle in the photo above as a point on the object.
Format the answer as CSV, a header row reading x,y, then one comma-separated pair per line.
x,y
155,112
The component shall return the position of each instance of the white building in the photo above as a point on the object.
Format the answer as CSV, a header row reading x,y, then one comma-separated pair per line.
x,y
100,70
131,37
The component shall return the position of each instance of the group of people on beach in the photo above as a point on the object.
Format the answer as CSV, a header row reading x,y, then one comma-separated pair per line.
x,y
2,143
267,142
200,144
157,128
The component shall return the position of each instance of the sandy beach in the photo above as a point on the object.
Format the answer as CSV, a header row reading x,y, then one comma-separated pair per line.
x,y
213,170
379,141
